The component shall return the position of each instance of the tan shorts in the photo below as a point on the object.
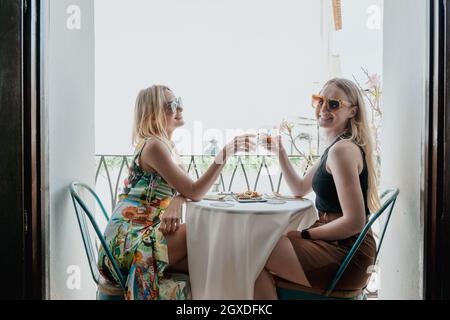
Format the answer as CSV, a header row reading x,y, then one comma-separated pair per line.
x,y
321,259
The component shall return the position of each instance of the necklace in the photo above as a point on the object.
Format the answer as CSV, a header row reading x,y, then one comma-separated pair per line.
x,y
336,138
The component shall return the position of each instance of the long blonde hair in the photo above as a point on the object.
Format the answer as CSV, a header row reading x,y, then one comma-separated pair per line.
x,y
149,115
361,134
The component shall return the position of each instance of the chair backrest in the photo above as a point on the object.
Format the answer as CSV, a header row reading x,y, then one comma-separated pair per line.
x,y
82,211
389,197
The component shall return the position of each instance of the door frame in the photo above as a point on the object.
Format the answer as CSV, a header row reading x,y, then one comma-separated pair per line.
x,y
12,208
20,186
436,195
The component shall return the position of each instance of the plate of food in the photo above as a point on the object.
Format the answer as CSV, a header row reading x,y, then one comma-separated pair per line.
x,y
249,197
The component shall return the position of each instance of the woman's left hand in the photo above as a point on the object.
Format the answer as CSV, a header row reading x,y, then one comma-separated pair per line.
x,y
171,218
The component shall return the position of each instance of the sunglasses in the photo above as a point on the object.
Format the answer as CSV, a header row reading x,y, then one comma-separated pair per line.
x,y
175,104
331,104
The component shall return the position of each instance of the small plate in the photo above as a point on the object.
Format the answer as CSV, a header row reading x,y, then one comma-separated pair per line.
x,y
214,197
278,196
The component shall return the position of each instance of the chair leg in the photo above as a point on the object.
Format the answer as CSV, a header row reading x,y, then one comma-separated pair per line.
x,y
104,296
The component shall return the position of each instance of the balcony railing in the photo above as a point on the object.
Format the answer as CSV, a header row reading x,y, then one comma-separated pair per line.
x,y
255,172
241,173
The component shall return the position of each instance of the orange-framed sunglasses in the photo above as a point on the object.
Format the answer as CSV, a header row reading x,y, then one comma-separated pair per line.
x,y
332,104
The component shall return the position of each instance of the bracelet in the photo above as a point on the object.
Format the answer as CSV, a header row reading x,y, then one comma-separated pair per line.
x,y
305,234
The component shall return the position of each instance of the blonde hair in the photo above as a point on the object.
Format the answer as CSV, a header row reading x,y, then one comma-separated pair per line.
x,y
149,116
361,134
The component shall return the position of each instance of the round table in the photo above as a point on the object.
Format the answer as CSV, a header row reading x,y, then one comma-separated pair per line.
x,y
229,246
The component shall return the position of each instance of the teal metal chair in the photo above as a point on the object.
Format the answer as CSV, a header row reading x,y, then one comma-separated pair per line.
x,y
290,291
106,290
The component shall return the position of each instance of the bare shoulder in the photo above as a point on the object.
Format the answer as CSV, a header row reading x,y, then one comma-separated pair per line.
x,y
346,152
344,148
153,152
155,148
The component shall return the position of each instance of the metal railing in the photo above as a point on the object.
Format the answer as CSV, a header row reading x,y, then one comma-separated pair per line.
x,y
247,164
114,168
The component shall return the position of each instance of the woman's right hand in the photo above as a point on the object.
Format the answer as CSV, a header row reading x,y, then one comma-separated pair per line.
x,y
244,143
272,144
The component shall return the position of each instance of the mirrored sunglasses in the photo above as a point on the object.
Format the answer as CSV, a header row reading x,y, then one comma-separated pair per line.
x,y
175,104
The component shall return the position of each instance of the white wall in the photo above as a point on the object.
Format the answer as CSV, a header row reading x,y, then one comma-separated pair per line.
x,y
360,42
69,102
405,82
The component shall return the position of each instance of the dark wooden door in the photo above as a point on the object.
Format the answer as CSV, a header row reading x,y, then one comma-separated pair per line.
x,y
437,162
20,238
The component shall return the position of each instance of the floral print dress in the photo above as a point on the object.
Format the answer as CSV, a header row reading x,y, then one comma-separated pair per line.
x,y
139,248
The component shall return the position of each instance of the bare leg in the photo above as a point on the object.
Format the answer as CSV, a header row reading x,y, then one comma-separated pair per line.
x,y
176,246
284,263
180,267
265,287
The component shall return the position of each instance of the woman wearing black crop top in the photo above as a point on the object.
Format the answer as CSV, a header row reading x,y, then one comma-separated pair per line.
x,y
345,183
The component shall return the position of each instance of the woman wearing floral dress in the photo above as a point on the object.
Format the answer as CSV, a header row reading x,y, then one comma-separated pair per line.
x,y
144,233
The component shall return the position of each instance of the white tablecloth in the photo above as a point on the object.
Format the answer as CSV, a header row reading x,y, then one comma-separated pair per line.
x,y
228,247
